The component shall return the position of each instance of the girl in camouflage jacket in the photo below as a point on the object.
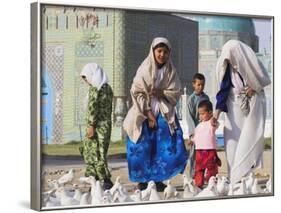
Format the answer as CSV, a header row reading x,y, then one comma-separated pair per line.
x,y
96,141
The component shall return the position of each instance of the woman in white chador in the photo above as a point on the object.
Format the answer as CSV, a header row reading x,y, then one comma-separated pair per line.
x,y
241,77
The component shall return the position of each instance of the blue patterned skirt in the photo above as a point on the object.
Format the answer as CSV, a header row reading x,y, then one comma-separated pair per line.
x,y
157,155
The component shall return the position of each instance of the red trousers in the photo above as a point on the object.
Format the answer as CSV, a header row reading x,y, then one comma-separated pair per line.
x,y
205,161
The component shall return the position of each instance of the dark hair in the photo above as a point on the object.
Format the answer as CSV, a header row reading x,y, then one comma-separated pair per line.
x,y
161,45
207,104
198,76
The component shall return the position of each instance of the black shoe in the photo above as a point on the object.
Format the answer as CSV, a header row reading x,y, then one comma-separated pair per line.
x,y
160,186
142,186
107,184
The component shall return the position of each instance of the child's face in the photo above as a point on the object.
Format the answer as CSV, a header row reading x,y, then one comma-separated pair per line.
x,y
204,115
198,86
161,55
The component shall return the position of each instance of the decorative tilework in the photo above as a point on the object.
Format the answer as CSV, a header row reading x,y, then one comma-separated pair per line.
x,y
53,58
84,50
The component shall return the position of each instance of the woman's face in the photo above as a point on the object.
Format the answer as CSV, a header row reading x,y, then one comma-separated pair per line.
x,y
161,55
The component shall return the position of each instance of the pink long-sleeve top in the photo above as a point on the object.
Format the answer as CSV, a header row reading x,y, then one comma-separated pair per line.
x,y
204,136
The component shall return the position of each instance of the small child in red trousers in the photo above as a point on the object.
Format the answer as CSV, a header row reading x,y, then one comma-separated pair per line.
x,y
206,158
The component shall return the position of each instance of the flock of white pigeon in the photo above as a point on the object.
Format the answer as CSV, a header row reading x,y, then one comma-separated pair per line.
x,y
60,194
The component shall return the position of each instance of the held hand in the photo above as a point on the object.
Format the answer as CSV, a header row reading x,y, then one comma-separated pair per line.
x,y
190,142
90,132
249,92
214,122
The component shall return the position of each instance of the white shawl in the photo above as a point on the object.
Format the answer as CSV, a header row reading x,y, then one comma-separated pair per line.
x,y
242,58
244,135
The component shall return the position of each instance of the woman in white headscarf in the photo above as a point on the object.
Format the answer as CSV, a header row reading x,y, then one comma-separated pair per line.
x,y
155,146
241,78
96,141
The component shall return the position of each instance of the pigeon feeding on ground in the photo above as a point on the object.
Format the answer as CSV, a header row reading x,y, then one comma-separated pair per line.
x,y
187,193
67,178
97,193
210,190
169,191
222,186
154,196
65,199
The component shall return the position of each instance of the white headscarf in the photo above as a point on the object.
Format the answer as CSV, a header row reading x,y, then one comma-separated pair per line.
x,y
243,59
94,75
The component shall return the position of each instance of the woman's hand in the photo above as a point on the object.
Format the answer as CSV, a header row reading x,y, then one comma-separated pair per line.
x,y
214,119
249,92
90,132
152,123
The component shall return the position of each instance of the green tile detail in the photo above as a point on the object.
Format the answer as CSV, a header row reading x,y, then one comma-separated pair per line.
x,y
84,50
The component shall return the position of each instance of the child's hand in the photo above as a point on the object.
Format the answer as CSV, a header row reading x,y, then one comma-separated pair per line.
x,y
90,132
214,122
190,142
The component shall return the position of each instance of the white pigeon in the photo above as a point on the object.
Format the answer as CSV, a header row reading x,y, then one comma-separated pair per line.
x,y
176,195
268,188
219,178
85,199
249,181
121,195
50,183
169,191
146,193
210,190
222,186
186,180
154,196
242,188
256,189
52,202
116,185
230,190
97,193
105,200
186,192
84,179
53,184
67,178
193,188
64,199
48,200
136,196
107,194
77,192
91,180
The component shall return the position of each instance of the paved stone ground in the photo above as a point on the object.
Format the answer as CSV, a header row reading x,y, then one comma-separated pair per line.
x,y
55,168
